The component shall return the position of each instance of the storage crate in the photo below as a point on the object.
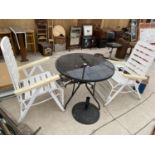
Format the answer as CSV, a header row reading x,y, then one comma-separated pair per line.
x,y
45,48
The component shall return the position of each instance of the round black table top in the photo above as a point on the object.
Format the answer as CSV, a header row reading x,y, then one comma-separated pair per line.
x,y
84,67
113,45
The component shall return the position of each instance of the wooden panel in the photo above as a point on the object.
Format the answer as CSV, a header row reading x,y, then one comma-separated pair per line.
x,y
66,23
106,23
123,22
23,23
95,22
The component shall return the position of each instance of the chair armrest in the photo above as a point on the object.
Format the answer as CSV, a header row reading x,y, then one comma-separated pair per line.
x,y
33,63
134,76
36,85
117,62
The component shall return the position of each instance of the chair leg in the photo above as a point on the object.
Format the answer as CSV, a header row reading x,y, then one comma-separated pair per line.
x,y
137,91
24,110
57,100
62,96
24,107
114,95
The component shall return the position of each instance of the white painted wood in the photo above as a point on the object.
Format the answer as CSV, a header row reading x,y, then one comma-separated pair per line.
x,y
137,66
27,90
37,62
35,82
134,77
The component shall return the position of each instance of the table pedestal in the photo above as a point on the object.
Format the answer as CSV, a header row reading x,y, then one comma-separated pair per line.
x,y
85,112
75,88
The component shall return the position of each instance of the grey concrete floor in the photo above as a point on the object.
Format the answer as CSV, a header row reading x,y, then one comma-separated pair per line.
x,y
125,115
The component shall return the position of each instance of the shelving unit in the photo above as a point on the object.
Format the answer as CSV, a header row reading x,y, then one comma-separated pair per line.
x,y
42,30
50,33
30,34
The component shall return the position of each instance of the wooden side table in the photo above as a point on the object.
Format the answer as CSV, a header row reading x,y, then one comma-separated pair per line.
x,y
122,51
132,45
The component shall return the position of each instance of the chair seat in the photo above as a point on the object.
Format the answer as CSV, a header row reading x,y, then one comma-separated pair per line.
x,y
35,79
121,79
118,78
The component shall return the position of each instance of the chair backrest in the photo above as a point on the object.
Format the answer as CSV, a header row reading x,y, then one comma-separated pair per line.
x,y
10,61
141,58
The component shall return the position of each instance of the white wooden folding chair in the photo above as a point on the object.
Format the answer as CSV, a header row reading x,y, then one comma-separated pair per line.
x,y
130,73
28,89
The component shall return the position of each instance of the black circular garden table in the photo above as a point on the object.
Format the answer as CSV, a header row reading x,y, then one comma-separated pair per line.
x,y
87,69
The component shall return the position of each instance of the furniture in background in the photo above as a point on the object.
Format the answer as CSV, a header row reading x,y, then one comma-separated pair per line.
x,y
105,35
122,51
41,30
28,89
94,22
74,37
100,36
131,73
110,36
44,40
45,48
112,45
147,32
50,33
134,29
118,33
31,41
21,41
59,35
132,45
84,69
88,40
111,42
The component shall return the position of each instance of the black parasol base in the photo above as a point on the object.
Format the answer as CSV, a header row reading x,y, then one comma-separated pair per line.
x,y
85,112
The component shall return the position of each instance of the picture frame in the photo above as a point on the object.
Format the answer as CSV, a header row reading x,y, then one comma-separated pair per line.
x,y
87,30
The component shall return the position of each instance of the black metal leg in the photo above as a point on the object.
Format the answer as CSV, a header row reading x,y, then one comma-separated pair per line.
x,y
93,87
110,53
93,94
73,88
73,92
